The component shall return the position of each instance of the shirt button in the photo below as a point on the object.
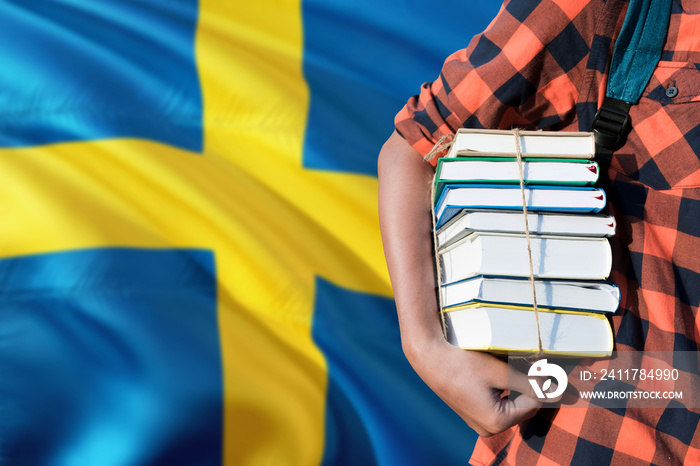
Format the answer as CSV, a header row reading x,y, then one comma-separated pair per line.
x,y
671,91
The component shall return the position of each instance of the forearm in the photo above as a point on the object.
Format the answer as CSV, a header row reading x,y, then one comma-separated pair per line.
x,y
404,216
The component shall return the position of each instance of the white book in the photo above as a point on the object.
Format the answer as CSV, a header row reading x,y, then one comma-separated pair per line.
x,y
505,221
507,329
592,296
532,143
455,198
565,257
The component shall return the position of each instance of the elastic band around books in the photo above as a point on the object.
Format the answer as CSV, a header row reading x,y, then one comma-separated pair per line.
x,y
519,156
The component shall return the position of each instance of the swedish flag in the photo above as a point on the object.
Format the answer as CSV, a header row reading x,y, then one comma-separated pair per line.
x,y
190,264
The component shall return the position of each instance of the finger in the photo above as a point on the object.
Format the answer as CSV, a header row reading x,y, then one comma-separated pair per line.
x,y
522,407
507,377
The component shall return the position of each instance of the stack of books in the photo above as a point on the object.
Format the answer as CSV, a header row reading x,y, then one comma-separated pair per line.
x,y
486,294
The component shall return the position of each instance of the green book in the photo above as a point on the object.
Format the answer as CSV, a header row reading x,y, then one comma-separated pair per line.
x,y
505,170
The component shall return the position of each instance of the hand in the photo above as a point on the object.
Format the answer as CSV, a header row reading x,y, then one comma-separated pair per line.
x,y
473,384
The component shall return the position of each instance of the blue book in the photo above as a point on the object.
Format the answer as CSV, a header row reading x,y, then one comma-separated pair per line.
x,y
456,197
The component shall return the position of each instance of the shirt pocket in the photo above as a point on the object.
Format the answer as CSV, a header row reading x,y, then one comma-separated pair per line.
x,y
663,147
674,83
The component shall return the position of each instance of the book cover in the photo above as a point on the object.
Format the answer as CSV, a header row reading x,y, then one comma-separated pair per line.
x,y
532,143
501,254
506,221
513,329
590,296
455,197
505,170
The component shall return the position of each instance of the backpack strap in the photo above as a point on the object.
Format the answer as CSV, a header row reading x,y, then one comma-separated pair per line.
x,y
637,51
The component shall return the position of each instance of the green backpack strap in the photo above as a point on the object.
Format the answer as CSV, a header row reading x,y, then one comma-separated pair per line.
x,y
637,51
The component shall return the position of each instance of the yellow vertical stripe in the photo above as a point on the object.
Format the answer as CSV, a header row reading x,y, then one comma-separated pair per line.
x,y
255,101
301,224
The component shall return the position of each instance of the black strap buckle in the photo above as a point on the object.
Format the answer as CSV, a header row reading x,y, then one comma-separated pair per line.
x,y
611,123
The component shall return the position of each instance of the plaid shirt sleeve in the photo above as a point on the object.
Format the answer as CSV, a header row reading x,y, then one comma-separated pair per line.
x,y
527,69
542,65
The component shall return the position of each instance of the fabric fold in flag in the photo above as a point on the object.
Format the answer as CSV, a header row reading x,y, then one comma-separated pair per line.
x,y
188,223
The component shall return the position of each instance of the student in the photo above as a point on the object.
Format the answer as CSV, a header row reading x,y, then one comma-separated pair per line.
x,y
543,65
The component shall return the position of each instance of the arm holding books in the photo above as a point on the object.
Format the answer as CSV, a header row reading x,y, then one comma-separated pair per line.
x,y
471,383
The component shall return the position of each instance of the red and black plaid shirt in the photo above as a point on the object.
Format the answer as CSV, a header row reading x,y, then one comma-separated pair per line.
x,y
543,65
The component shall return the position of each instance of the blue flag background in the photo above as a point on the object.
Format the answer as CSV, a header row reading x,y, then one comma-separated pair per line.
x,y
191,270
